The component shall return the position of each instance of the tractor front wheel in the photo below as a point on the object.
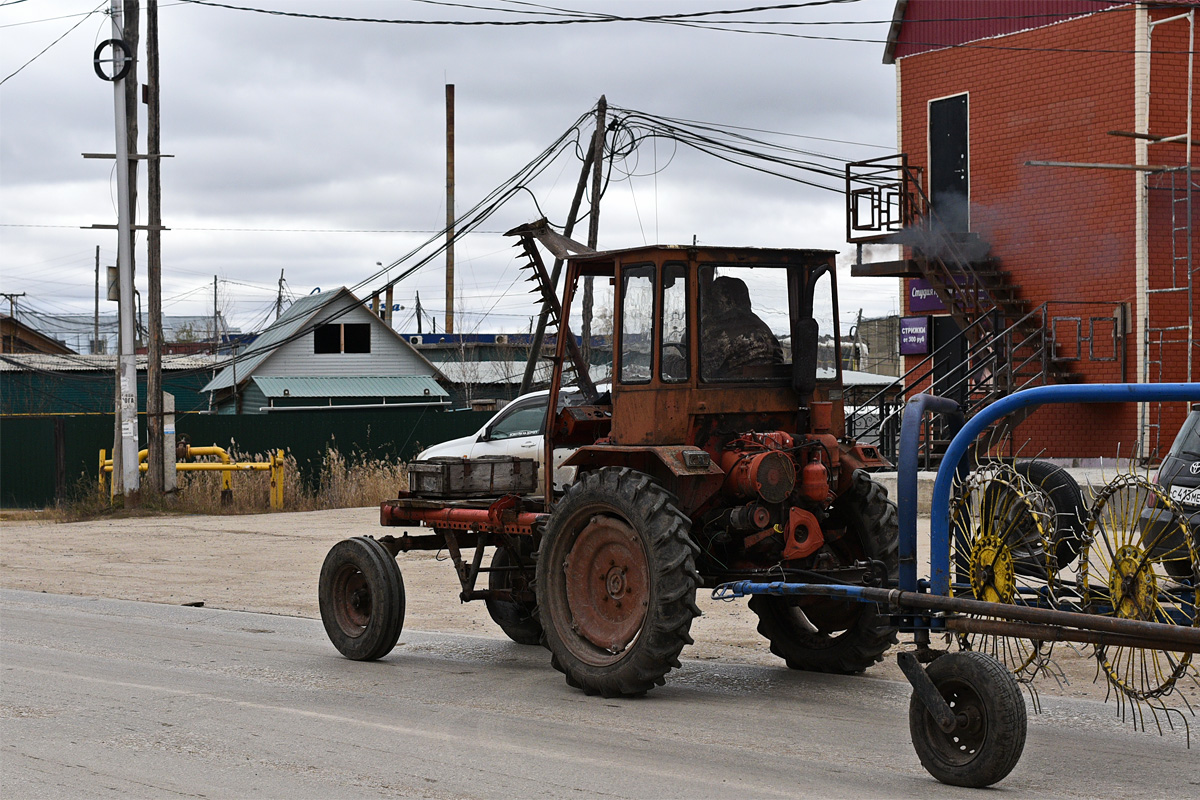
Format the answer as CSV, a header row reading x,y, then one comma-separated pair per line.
x,y
361,595
616,583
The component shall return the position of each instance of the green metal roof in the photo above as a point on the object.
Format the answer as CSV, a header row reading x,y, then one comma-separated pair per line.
x,y
417,386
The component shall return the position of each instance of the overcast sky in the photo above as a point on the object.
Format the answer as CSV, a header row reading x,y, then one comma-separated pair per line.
x,y
317,147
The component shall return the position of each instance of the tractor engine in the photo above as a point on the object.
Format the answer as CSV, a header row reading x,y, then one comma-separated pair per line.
x,y
774,501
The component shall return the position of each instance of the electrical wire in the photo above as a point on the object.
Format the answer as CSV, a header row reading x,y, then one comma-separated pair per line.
x,y
56,41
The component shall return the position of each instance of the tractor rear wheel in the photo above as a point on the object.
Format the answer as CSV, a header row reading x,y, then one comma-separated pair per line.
x,y
514,617
616,583
361,595
850,636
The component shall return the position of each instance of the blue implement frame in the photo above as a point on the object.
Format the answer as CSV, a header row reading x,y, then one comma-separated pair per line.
x,y
928,597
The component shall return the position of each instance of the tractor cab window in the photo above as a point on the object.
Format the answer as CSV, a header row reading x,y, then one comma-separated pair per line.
x,y
744,324
637,322
673,360
832,354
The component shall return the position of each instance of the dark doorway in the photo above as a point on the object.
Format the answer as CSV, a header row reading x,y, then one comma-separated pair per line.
x,y
949,169
949,360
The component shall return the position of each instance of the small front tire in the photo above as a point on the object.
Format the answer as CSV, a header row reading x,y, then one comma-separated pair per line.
x,y
992,723
361,595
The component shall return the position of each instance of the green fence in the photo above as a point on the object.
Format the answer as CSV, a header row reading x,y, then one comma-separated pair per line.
x,y
41,458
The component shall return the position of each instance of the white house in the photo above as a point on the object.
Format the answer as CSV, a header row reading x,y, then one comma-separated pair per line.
x,y
327,351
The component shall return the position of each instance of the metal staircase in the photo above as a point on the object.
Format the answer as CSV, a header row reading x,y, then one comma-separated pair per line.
x,y
1008,345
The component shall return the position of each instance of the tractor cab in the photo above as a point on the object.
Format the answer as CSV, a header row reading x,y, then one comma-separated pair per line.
x,y
710,346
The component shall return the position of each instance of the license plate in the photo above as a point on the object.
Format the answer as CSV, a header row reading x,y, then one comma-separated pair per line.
x,y
1186,495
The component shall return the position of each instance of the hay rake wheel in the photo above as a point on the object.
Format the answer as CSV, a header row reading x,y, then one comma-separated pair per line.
x,y
1001,552
1130,568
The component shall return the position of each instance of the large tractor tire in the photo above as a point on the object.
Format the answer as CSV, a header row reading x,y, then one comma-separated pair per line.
x,y
361,595
616,583
850,636
514,617
1069,512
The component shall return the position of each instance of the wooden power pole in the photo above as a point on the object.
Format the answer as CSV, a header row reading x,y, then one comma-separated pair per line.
x,y
449,208
594,222
155,456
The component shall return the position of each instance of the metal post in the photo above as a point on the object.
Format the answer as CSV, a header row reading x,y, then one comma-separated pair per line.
x,y
95,348
127,384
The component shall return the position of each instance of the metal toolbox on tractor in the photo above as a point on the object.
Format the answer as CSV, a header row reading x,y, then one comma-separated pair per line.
x,y
486,476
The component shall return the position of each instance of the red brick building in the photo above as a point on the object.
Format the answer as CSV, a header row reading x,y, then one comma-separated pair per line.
x,y
1038,126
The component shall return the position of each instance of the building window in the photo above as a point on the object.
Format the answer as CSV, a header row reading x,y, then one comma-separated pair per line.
x,y
356,338
342,338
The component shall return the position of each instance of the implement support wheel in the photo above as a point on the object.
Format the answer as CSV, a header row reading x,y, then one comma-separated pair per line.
x,y
991,725
616,583
362,598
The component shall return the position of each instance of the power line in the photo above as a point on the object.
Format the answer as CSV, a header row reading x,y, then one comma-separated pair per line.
x,y
56,41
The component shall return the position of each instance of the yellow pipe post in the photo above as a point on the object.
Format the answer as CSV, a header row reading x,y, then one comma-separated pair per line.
x,y
274,464
277,480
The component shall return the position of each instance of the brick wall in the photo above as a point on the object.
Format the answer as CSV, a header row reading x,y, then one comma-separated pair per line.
x,y
1066,235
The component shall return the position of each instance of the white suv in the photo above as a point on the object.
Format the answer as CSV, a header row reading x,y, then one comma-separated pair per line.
x,y
518,430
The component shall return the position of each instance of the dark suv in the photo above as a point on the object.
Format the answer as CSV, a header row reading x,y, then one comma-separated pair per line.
x,y
1179,476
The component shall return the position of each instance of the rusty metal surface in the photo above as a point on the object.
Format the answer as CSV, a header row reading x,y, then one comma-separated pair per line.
x,y
607,583
505,518
1057,633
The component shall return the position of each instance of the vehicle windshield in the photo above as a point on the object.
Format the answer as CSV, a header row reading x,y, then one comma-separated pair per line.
x,y
745,325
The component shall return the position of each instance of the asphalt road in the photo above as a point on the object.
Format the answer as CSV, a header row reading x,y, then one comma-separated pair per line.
x,y
107,698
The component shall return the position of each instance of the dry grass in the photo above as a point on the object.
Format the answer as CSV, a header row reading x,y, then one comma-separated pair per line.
x,y
336,482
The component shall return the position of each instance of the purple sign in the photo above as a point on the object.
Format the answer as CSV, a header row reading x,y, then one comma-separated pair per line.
x,y
914,336
922,297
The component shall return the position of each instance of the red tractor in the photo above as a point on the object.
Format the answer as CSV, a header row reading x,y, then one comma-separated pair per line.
x,y
718,454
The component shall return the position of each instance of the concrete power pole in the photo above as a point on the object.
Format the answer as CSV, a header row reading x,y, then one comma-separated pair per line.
x,y
127,383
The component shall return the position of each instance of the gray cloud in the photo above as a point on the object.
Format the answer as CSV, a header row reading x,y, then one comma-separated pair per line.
x,y
308,125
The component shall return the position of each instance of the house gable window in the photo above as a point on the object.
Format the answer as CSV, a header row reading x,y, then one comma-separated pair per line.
x,y
351,337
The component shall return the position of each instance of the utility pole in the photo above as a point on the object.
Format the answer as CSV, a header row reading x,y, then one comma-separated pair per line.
x,y
419,312
126,390
593,222
12,314
449,208
539,336
155,445
279,298
215,337
12,302
95,348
